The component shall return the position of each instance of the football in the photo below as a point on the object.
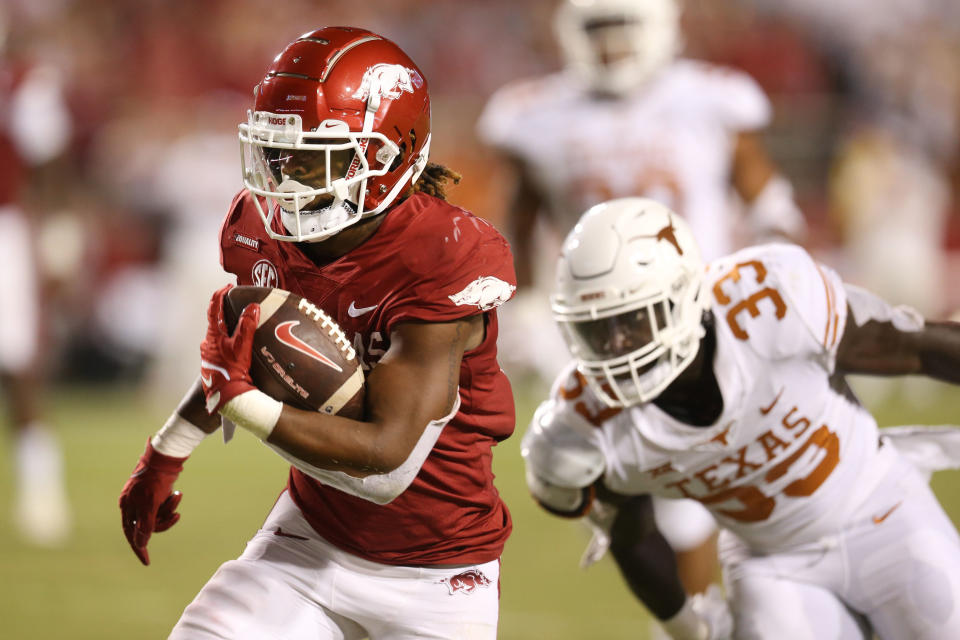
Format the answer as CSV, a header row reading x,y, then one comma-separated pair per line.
x,y
300,355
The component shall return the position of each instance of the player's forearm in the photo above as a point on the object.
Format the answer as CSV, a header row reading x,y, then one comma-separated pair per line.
x,y
193,409
521,220
940,351
340,444
646,560
521,243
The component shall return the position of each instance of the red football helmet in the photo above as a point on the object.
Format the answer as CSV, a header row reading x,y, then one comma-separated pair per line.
x,y
340,128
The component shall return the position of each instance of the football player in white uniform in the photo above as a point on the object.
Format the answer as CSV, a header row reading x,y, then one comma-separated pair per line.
x,y
724,383
626,117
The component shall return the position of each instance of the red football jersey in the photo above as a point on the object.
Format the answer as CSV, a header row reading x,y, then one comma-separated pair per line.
x,y
13,176
428,261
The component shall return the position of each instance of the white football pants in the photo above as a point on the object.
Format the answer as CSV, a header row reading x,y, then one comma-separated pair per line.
x,y
290,584
895,566
19,314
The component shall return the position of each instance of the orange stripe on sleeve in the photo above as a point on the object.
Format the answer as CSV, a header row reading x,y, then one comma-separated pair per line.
x,y
832,316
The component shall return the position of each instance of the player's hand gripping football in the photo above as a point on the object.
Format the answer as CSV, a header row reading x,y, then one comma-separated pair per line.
x,y
147,502
225,358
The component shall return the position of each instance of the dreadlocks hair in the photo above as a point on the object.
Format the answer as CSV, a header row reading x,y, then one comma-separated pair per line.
x,y
433,180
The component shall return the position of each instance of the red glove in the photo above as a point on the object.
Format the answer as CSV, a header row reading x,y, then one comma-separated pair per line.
x,y
224,358
147,503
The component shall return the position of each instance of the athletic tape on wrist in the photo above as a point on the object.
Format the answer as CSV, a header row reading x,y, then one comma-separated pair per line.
x,y
178,437
255,411
686,623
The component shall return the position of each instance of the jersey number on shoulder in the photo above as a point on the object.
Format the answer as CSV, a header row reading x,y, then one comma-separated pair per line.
x,y
751,303
595,415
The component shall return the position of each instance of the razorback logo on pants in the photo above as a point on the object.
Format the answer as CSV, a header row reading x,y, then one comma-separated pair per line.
x,y
467,582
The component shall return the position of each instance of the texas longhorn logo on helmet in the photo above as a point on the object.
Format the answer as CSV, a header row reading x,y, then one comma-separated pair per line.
x,y
389,80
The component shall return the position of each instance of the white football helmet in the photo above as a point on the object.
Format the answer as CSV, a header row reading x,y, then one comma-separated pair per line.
x,y
616,45
629,298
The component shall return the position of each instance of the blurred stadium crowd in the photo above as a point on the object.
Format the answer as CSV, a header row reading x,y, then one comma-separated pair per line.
x,y
867,127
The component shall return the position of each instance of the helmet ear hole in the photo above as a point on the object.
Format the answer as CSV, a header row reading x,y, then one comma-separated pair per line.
x,y
400,156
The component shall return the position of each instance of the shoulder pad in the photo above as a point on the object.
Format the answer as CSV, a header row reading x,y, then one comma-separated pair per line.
x,y
732,95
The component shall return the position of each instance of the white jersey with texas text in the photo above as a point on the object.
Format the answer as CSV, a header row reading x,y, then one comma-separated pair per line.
x,y
792,452
671,140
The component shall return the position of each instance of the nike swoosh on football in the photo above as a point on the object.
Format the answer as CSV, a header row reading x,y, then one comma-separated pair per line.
x,y
284,333
354,312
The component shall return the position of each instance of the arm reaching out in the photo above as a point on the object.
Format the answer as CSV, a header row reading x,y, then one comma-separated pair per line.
x,y
886,341
148,502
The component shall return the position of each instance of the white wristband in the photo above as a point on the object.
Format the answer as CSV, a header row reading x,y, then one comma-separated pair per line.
x,y
686,624
255,411
178,437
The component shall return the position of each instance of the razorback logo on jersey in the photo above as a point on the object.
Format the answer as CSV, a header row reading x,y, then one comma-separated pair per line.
x,y
486,292
466,582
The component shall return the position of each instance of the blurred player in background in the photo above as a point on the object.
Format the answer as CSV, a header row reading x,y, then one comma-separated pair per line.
x,y
725,382
890,183
35,128
626,118
394,528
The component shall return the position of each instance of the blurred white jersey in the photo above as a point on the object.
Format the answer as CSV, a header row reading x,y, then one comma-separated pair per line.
x,y
671,140
791,452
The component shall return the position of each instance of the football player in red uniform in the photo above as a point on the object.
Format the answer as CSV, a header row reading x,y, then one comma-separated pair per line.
x,y
396,529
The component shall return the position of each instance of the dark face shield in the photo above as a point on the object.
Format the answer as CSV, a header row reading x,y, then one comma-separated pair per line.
x,y
611,39
619,335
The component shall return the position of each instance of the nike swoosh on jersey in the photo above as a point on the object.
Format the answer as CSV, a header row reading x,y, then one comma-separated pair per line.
x,y
284,333
879,519
280,532
765,410
354,312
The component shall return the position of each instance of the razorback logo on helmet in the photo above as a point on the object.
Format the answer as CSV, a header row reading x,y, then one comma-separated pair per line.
x,y
389,80
486,292
466,582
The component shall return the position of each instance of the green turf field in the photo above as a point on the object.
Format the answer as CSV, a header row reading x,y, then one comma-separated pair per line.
x,y
96,588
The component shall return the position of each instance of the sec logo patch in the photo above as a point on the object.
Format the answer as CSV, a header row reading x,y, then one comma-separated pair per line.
x,y
264,274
